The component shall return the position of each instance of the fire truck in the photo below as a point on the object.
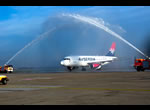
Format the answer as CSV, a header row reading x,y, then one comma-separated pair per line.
x,y
6,69
142,64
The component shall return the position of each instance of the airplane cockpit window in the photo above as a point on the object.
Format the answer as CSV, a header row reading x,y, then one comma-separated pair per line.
x,y
66,58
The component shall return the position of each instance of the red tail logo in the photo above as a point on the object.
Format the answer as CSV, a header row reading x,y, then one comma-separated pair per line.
x,y
113,46
112,50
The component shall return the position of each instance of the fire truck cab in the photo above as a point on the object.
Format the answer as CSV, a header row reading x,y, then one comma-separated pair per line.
x,y
6,69
141,64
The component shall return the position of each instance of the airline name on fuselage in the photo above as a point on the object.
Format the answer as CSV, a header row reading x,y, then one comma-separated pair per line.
x,y
86,59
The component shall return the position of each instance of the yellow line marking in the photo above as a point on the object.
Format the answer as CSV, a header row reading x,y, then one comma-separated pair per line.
x,y
60,87
30,87
108,89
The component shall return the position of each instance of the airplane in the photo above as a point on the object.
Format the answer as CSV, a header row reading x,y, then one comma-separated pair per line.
x,y
94,62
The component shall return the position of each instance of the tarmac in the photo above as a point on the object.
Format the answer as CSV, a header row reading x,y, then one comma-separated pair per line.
x,y
100,88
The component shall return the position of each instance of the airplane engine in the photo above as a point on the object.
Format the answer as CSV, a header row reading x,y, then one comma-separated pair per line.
x,y
95,66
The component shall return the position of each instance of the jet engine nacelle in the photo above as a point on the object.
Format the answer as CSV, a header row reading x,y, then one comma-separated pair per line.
x,y
96,66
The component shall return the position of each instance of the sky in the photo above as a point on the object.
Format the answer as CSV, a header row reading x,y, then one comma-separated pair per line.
x,y
19,25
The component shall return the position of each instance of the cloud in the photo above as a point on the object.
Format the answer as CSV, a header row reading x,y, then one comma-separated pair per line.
x,y
113,13
24,20
17,26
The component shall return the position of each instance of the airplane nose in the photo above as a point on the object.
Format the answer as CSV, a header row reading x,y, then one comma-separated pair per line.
x,y
62,62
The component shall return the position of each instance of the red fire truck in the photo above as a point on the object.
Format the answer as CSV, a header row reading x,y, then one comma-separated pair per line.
x,y
141,64
6,69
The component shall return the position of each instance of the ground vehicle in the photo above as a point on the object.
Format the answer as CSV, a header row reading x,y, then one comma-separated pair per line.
x,y
141,64
6,69
3,79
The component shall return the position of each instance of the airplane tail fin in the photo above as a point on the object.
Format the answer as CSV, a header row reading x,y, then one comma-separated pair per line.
x,y
112,50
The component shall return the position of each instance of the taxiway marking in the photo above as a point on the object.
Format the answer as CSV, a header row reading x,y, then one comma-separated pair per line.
x,y
73,88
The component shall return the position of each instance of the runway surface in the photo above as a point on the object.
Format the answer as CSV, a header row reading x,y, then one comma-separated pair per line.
x,y
111,88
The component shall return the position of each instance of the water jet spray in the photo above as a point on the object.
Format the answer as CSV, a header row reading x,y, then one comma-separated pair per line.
x,y
31,43
97,23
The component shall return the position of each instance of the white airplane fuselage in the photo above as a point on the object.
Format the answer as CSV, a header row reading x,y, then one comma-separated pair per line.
x,y
86,60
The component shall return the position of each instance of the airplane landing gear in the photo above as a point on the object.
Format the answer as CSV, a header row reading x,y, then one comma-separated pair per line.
x,y
70,68
83,69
